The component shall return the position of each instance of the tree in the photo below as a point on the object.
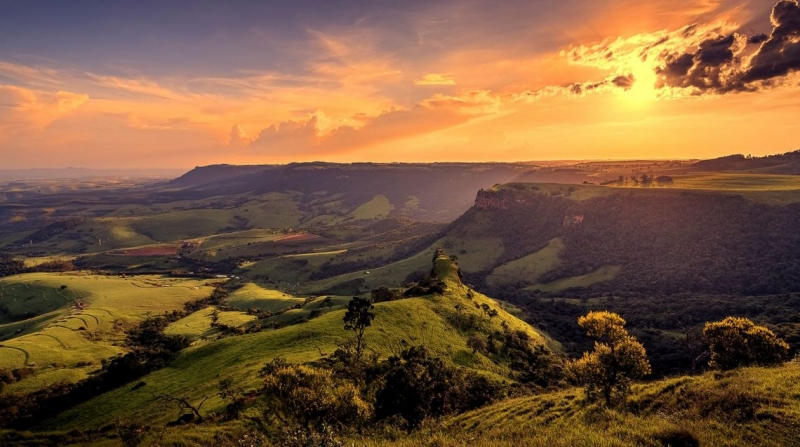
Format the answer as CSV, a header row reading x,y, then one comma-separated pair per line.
x,y
184,403
617,359
231,392
418,385
358,318
309,400
736,342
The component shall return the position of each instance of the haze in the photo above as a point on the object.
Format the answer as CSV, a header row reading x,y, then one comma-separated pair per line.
x,y
101,84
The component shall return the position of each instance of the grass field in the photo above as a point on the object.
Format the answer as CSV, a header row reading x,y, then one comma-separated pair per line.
x,y
376,208
67,331
606,273
528,268
198,324
771,189
738,182
254,296
197,371
475,249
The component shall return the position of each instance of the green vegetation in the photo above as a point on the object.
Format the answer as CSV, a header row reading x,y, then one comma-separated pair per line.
x,y
66,325
749,406
527,268
426,320
376,208
617,358
606,273
255,296
311,254
736,342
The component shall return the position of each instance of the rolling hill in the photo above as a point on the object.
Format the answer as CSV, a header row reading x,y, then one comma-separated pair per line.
x,y
443,323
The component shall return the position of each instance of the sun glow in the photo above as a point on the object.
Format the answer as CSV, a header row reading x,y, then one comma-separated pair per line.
x,y
643,91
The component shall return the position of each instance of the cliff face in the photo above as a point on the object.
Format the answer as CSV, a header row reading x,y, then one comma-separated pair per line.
x,y
488,200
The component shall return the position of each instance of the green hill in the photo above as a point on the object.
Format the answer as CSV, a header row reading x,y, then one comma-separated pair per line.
x,y
436,321
63,326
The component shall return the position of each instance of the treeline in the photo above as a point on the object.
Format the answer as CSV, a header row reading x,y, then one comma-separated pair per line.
x,y
10,266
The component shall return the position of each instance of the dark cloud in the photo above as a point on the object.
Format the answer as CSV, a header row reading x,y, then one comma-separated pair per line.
x,y
719,67
624,82
710,67
780,54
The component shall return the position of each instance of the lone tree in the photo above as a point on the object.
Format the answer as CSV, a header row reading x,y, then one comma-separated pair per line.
x,y
736,342
358,318
617,359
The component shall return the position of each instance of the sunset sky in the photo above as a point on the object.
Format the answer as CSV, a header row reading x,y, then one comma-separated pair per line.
x,y
158,84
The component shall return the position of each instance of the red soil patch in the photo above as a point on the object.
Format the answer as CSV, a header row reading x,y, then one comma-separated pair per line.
x,y
159,250
298,238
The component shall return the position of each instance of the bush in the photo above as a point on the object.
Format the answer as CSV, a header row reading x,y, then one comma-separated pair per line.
x,y
417,386
302,399
736,342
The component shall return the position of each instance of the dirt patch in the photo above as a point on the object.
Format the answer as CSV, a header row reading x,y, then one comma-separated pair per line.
x,y
157,250
303,237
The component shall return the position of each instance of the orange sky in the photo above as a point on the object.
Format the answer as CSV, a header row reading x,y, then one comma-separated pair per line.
x,y
425,81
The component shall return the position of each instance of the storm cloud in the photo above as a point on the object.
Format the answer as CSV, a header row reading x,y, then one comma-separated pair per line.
x,y
721,64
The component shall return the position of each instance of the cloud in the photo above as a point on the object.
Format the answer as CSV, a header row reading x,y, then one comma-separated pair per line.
x,y
711,58
238,137
307,137
22,108
719,65
436,79
780,53
714,66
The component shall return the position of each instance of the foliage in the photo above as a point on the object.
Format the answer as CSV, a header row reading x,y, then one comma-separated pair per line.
x,y
309,400
358,318
10,266
739,342
383,293
416,386
617,359
234,395
426,286
131,433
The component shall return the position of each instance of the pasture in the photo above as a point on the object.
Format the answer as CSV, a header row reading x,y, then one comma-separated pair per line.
x,y
605,273
528,268
65,324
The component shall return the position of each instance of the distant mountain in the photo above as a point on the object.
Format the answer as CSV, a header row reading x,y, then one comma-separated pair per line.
x,y
206,175
430,191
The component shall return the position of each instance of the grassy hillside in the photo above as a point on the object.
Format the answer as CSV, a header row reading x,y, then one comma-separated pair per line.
x,y
751,406
424,320
65,325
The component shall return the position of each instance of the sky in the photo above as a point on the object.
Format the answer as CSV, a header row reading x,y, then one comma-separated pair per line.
x,y
177,84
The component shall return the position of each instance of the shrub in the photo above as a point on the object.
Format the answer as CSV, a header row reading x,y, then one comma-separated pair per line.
x,y
736,342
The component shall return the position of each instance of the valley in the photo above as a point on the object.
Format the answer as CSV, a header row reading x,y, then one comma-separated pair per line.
x,y
131,303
